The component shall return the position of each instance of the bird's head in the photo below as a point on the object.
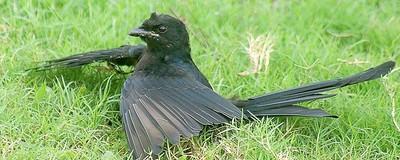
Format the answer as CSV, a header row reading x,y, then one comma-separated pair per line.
x,y
162,32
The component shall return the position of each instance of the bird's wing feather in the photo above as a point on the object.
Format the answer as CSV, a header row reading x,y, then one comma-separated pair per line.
x,y
158,108
124,55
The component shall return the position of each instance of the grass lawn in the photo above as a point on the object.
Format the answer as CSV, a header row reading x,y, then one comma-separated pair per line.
x,y
74,114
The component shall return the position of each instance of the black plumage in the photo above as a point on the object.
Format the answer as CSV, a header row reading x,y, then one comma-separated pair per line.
x,y
165,107
261,105
168,97
127,55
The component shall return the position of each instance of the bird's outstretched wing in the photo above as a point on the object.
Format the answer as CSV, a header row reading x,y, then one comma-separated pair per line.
x,y
124,55
155,109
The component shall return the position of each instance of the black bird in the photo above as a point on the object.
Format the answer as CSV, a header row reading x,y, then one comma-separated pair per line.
x,y
168,97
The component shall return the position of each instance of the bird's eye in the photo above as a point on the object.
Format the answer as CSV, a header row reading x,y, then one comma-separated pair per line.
x,y
162,29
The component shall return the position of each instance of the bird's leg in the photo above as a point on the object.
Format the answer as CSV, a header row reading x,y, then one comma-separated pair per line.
x,y
117,68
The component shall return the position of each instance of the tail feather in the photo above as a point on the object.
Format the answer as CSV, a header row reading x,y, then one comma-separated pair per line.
x,y
284,101
291,110
281,103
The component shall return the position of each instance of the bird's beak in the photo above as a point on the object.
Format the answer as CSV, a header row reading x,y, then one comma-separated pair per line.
x,y
140,32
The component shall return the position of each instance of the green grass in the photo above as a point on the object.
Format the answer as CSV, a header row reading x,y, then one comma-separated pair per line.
x,y
73,114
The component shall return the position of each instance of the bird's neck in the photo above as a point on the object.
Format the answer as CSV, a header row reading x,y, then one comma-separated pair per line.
x,y
170,51
164,58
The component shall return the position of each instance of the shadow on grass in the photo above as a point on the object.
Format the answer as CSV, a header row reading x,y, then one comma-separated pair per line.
x,y
96,83
89,77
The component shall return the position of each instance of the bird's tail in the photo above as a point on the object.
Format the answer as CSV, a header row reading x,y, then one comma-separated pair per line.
x,y
283,103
